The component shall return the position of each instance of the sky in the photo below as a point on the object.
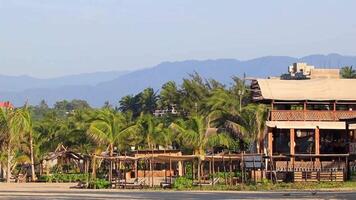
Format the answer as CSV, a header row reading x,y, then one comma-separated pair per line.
x,y
50,38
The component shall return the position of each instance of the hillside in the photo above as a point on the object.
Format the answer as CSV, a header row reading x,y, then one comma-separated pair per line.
x,y
113,86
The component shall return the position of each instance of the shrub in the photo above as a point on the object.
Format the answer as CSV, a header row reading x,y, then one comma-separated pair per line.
x,y
182,183
64,178
99,184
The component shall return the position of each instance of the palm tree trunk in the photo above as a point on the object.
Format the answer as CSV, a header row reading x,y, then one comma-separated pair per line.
x,y
8,173
33,175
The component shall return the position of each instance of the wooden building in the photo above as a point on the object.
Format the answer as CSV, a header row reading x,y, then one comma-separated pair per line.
x,y
306,135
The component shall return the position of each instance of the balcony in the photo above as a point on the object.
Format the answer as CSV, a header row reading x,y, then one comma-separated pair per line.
x,y
310,115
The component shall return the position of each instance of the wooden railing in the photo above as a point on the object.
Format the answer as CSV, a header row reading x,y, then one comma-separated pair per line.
x,y
310,115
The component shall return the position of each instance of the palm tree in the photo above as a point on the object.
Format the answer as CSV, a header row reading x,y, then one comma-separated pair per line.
x,y
148,100
348,72
197,134
111,128
154,132
130,103
251,124
169,95
26,115
12,125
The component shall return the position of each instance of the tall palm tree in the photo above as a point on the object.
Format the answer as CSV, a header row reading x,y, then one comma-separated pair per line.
x,y
111,128
154,132
169,95
251,123
28,128
148,100
197,134
348,72
12,125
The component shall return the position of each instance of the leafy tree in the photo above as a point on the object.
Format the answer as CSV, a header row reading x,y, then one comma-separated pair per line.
x,y
197,134
11,129
28,129
111,128
348,72
169,95
148,100
154,132
131,104
193,92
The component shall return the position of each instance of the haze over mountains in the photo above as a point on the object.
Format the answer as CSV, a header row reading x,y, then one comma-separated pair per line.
x,y
96,88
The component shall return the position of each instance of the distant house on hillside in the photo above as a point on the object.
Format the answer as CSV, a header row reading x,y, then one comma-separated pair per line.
x,y
6,104
301,71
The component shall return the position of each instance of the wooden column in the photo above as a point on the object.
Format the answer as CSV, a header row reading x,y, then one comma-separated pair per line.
x,y
291,143
136,169
270,142
317,142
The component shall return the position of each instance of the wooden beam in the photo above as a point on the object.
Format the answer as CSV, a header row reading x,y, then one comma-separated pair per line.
x,y
270,142
317,142
291,143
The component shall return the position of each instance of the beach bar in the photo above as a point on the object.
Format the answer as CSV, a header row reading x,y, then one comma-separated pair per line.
x,y
307,137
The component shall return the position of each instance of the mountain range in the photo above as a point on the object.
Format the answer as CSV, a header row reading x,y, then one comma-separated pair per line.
x,y
96,88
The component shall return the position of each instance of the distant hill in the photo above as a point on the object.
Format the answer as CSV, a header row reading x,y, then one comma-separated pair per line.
x,y
113,86
20,83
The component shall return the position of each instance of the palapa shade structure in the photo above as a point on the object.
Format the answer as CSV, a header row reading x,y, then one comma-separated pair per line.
x,y
300,90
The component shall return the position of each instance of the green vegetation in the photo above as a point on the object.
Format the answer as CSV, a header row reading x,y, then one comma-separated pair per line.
x,y
348,72
183,183
196,117
268,186
99,184
64,178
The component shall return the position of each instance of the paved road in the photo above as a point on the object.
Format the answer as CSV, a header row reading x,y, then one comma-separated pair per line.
x,y
62,192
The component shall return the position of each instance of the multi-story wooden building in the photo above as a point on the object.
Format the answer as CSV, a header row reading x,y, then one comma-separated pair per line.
x,y
306,134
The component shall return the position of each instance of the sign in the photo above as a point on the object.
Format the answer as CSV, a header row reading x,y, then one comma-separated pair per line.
x,y
253,162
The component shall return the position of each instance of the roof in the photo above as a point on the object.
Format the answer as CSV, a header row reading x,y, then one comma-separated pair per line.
x,y
312,89
6,104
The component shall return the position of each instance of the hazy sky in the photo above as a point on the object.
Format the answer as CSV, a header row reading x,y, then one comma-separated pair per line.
x,y
46,38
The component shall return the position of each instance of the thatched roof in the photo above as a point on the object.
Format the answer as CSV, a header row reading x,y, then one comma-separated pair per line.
x,y
300,90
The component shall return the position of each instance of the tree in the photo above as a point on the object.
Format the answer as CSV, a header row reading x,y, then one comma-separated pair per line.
x,y
194,91
148,100
154,132
130,103
348,72
12,125
111,128
28,128
169,95
197,134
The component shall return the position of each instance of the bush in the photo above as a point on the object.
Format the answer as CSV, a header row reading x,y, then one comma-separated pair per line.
x,y
182,183
64,178
45,178
99,184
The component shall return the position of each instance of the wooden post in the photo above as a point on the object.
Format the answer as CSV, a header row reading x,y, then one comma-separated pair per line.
x,y
224,165
94,167
136,169
292,143
213,168
242,169
230,170
170,170
270,142
317,142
